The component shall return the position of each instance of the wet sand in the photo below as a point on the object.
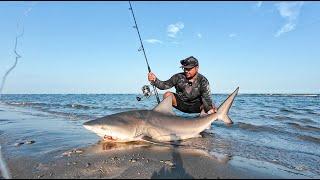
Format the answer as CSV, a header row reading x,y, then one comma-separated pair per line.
x,y
133,160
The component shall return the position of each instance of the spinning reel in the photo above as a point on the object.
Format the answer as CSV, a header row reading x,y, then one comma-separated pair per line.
x,y
146,93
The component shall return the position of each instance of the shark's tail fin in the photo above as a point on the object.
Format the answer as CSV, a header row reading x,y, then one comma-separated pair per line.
x,y
225,106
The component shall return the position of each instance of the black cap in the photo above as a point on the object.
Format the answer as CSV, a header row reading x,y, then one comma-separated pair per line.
x,y
189,62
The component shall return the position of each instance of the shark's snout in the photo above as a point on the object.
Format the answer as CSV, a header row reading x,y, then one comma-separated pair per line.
x,y
96,128
87,127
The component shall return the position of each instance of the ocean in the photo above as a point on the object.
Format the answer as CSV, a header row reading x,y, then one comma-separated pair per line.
x,y
278,129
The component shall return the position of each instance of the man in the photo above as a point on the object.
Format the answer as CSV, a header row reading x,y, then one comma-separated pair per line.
x,y
192,89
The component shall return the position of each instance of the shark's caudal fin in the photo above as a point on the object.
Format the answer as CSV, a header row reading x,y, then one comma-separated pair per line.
x,y
225,106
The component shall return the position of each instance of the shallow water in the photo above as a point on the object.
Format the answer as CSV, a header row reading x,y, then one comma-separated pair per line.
x,y
283,130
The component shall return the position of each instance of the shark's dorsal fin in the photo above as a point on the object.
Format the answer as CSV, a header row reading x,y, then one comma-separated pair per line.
x,y
165,106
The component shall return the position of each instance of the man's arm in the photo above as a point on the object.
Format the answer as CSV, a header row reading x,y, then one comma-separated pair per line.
x,y
209,107
161,84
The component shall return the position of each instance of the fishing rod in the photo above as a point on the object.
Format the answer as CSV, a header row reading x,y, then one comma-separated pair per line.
x,y
18,56
144,53
4,168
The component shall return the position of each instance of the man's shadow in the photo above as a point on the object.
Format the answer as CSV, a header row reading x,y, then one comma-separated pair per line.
x,y
175,170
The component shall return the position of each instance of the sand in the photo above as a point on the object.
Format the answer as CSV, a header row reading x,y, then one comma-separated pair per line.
x,y
130,160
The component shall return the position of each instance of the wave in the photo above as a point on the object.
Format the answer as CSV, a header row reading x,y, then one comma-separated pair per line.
x,y
295,95
286,110
39,104
264,116
120,108
69,115
277,117
5,121
307,127
310,139
251,127
305,95
15,103
306,120
310,111
80,106
42,105
52,109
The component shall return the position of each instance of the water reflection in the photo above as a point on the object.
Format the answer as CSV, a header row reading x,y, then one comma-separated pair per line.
x,y
180,151
175,170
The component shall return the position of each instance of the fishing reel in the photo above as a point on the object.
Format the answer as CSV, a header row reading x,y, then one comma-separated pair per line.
x,y
146,93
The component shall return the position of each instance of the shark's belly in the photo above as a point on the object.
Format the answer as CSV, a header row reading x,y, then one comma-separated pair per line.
x,y
163,134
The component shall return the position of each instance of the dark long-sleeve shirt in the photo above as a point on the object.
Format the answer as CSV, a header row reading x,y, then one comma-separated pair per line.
x,y
198,91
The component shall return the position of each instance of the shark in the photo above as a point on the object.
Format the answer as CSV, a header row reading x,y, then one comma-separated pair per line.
x,y
159,124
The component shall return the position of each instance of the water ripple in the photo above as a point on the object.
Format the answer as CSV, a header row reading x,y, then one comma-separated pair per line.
x,y
306,128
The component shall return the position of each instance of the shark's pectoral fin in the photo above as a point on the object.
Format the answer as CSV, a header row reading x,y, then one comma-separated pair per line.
x,y
165,106
150,140
145,138
153,141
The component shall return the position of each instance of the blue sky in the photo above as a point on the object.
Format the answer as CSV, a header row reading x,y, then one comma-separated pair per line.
x,y
91,47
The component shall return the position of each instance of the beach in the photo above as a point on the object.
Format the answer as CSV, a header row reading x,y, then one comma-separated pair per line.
x,y
129,161
41,144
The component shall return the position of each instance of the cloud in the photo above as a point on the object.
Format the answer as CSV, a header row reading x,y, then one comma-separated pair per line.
x,y
153,41
290,12
232,35
199,35
286,28
173,29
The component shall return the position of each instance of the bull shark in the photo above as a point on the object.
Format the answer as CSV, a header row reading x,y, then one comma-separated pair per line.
x,y
157,125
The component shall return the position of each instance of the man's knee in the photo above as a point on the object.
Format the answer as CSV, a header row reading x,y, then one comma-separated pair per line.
x,y
168,93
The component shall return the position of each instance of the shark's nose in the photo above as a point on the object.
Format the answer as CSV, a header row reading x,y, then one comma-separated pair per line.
x,y
87,127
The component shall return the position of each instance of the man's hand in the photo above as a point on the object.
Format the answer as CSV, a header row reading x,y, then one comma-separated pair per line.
x,y
213,110
151,77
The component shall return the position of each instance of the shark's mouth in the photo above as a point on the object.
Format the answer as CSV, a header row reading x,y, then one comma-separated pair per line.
x,y
109,138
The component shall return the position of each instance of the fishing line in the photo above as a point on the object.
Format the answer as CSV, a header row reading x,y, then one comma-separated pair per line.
x,y
144,53
3,167
18,56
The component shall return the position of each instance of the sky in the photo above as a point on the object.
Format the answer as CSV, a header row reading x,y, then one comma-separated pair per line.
x,y
92,47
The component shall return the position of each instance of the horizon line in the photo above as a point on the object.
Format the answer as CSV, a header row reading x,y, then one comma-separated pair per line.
x,y
140,93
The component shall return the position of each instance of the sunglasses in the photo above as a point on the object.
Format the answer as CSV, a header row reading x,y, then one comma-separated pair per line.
x,y
187,69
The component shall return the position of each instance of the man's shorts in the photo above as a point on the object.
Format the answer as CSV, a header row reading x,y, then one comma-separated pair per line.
x,y
187,107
